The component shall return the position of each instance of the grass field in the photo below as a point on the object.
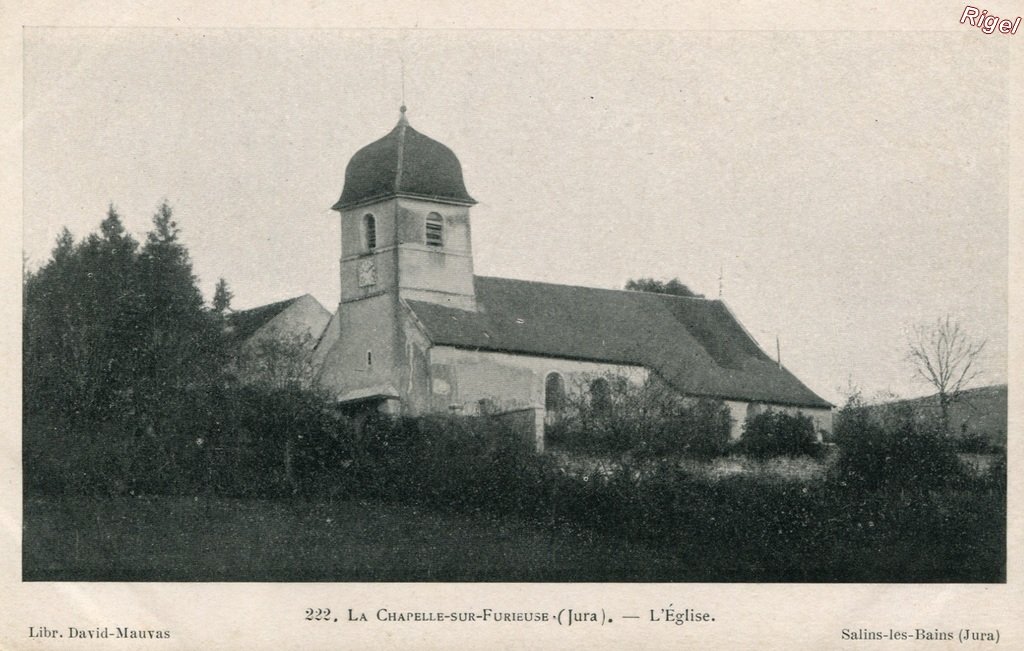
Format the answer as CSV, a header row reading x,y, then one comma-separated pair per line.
x,y
76,538
219,539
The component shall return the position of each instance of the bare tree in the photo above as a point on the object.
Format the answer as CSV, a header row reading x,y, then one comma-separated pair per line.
x,y
945,356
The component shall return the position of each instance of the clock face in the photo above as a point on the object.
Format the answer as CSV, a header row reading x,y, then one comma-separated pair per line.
x,y
367,273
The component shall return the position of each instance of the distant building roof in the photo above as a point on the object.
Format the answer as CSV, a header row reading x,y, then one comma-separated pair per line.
x,y
244,323
403,163
696,345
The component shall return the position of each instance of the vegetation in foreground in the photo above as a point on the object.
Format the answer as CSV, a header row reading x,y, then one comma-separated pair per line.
x,y
399,484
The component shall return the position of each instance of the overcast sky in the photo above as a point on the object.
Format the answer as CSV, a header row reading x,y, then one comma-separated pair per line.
x,y
846,185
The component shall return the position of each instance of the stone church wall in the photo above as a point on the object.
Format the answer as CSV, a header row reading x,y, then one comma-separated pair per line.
x,y
461,379
365,354
414,374
509,386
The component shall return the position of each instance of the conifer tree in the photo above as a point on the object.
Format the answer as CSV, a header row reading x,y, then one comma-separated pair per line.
x,y
180,347
78,307
222,297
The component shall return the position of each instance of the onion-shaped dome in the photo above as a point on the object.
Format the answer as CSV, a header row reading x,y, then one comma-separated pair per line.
x,y
404,163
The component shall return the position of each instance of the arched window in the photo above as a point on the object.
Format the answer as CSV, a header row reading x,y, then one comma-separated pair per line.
x,y
600,395
486,406
370,232
435,230
554,393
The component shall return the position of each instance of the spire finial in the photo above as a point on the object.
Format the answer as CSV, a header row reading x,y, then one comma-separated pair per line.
x,y
402,109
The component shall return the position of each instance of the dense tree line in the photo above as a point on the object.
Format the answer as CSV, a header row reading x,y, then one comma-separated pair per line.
x,y
114,328
132,385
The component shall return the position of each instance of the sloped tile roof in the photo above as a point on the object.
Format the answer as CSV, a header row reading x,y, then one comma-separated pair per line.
x,y
244,323
696,345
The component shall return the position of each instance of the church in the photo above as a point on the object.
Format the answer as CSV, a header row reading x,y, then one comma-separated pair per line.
x,y
416,331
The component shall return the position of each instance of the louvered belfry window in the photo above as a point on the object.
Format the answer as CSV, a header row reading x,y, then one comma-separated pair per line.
x,y
370,227
435,230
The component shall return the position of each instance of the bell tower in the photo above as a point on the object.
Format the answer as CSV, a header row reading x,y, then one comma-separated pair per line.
x,y
405,227
404,236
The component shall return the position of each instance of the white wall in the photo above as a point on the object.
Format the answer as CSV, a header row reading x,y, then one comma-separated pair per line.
x,y
363,326
462,378
305,318
822,417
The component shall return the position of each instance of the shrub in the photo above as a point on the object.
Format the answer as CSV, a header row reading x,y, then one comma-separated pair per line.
x,y
893,446
106,458
477,464
642,423
706,431
775,433
996,475
229,440
271,441
973,442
